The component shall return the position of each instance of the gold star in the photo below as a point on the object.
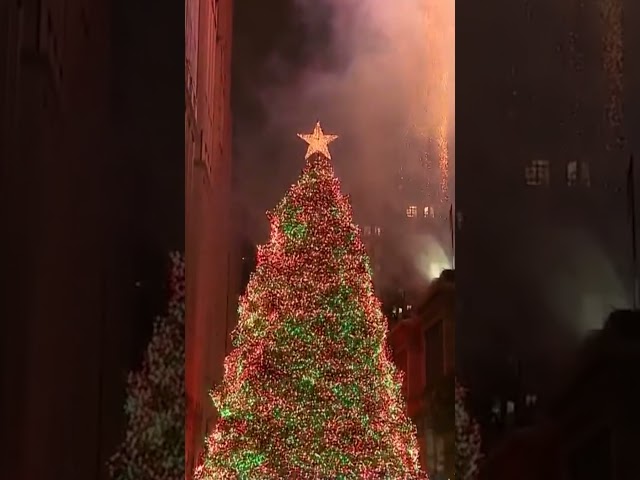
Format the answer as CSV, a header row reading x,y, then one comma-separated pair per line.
x,y
318,142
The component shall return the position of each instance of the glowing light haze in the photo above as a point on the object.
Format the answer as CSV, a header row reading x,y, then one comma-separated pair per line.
x,y
384,82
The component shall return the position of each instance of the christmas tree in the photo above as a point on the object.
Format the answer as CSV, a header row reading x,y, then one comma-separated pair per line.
x,y
309,392
467,439
153,448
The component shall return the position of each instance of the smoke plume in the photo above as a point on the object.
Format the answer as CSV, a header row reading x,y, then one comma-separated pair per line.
x,y
372,72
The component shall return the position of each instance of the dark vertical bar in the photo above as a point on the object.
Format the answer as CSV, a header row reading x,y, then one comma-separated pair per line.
x,y
38,24
103,316
452,226
632,211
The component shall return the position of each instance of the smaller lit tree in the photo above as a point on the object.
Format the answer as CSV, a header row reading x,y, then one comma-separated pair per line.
x,y
467,439
153,448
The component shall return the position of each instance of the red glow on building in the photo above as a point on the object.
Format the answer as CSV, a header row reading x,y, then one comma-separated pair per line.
x,y
210,276
423,346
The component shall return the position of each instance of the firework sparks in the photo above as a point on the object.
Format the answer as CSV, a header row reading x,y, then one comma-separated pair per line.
x,y
443,157
611,11
439,90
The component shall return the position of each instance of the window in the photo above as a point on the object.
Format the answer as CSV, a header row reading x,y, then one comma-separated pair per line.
x,y
366,230
412,211
426,212
585,177
377,231
537,174
434,353
572,173
578,173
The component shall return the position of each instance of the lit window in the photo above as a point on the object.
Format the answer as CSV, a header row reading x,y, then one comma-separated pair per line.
x,y
537,174
377,231
426,212
572,173
496,409
412,211
366,230
585,177
578,172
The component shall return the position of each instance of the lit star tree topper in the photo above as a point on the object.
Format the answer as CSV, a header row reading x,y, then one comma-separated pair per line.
x,y
318,141
309,390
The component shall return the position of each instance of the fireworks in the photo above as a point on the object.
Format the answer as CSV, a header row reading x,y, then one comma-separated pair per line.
x,y
439,89
443,157
611,13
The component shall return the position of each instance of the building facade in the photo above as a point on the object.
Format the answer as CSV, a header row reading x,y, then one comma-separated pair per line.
x,y
540,188
55,60
423,346
408,249
211,273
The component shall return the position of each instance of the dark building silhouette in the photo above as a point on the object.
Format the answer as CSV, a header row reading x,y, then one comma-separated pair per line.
x,y
542,244
92,199
423,346
590,427
402,249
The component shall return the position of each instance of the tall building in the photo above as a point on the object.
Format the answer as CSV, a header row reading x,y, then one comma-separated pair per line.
x,y
423,346
408,241
54,152
541,219
211,272
406,229
88,156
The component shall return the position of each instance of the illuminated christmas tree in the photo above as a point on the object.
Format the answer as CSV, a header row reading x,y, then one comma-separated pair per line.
x,y
309,392
467,439
153,448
